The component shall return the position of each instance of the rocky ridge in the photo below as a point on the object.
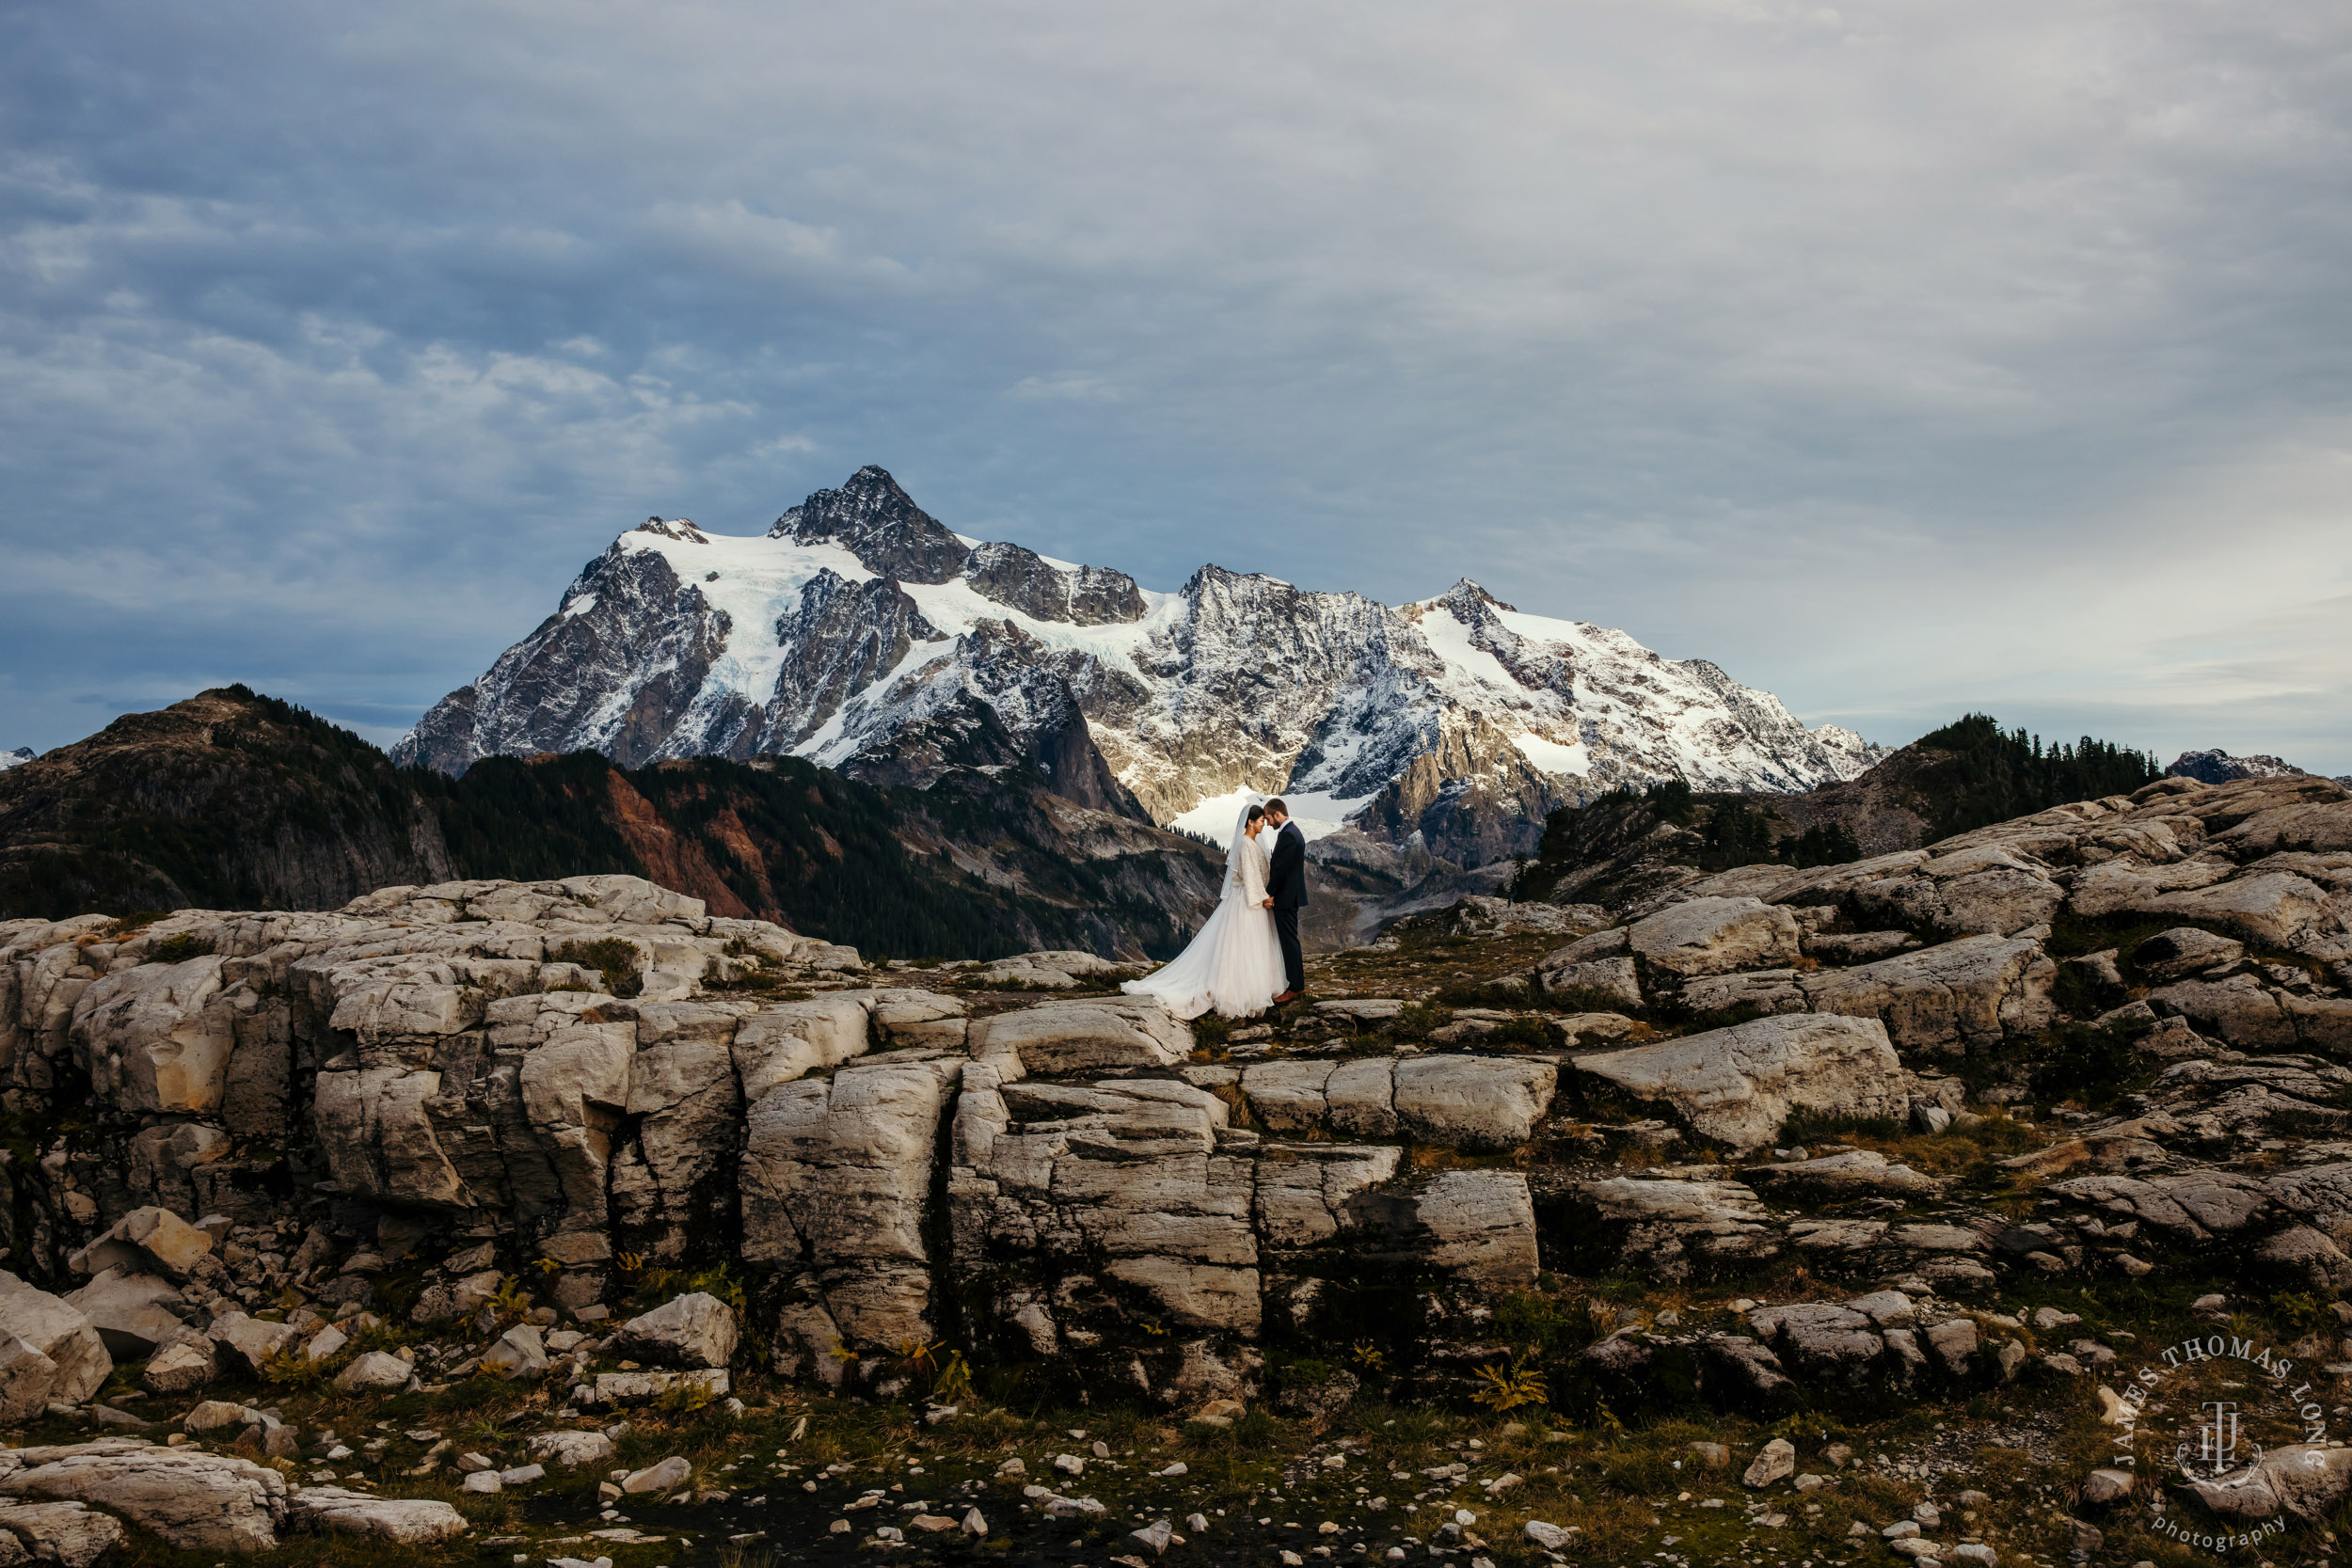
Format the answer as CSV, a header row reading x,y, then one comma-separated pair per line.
x,y
863,633
2218,767
1948,1132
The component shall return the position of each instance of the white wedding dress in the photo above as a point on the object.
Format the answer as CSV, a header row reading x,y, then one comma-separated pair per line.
x,y
1235,964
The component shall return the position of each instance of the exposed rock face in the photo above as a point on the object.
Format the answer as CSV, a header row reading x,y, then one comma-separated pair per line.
x,y
68,1534
1459,719
1479,1102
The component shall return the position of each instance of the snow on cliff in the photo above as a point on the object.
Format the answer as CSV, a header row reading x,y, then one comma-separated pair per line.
x,y
861,633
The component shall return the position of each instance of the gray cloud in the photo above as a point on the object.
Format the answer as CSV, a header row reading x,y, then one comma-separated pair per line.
x,y
1901,359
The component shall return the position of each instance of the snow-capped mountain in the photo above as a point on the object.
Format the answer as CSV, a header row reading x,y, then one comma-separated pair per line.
x,y
862,633
11,759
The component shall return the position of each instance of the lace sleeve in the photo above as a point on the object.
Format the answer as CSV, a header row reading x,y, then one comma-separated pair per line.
x,y
1253,870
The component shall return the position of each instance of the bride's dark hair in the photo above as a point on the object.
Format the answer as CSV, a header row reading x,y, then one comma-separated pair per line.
x,y
1255,813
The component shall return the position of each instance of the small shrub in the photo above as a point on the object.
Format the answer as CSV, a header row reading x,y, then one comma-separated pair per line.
x,y
2078,1061
510,1300
1528,1033
180,948
955,1380
681,1398
1584,999
1509,1387
1418,1020
1484,993
610,956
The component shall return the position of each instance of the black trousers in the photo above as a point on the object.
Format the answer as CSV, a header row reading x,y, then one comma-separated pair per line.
x,y
1293,958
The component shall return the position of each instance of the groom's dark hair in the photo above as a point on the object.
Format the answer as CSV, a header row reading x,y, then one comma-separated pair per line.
x,y
1275,806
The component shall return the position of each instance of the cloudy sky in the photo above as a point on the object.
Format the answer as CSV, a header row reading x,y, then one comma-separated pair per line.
x,y
1902,358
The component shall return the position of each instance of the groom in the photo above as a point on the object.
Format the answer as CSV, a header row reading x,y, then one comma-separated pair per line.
x,y
1286,894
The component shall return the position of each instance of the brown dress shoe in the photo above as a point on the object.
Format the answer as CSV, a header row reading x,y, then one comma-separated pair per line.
x,y
1287,996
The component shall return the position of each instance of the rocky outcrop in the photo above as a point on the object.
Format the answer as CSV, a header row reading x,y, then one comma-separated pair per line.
x,y
595,1073
193,1500
68,1534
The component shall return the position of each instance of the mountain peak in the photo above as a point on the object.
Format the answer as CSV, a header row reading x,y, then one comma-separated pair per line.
x,y
1465,595
863,633
877,522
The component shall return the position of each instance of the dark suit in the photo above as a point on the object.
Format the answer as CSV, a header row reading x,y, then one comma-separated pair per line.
x,y
1286,884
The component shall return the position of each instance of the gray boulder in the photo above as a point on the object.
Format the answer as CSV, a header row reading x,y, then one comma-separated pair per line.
x,y
1739,1086
1473,1102
1951,997
520,1355
402,1521
2301,1480
2183,951
150,1240
694,1330
570,1449
374,1370
27,1379
1855,1172
60,1334
134,1313
1675,1230
1716,936
1083,1036
250,1342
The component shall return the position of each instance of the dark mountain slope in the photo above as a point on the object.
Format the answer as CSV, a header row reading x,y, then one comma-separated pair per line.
x,y
231,800
226,800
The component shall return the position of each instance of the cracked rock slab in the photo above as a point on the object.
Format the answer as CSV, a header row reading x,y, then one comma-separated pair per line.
x,y
1739,1086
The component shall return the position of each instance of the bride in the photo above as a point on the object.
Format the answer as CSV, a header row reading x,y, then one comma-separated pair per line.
x,y
1235,964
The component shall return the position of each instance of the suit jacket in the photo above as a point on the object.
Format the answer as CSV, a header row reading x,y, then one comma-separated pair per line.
x,y
1286,876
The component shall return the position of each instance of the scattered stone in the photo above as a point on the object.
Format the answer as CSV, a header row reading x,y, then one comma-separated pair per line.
x,y
374,1368
402,1521
570,1450
1775,1461
668,1476
519,1356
